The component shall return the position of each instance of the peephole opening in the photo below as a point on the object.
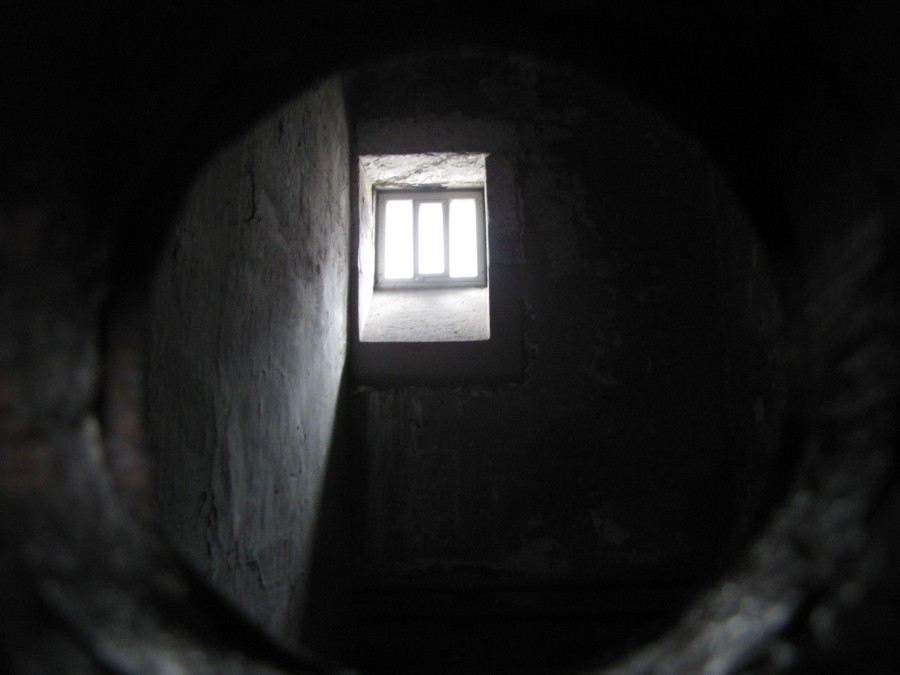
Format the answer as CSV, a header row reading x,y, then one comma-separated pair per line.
x,y
547,496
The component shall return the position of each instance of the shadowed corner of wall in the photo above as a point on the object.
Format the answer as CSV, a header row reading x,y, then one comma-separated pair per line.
x,y
325,612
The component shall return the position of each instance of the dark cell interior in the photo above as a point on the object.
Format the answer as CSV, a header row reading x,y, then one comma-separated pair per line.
x,y
675,453
550,517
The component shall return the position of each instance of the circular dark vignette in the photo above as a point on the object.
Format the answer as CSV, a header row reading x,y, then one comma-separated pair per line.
x,y
547,111
816,593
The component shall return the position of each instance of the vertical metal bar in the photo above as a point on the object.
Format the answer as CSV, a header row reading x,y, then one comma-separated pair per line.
x,y
481,228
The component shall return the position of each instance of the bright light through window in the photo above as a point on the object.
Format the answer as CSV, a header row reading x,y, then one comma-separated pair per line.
x,y
398,239
463,239
429,239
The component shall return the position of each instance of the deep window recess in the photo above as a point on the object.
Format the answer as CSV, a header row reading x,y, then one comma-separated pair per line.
x,y
444,305
433,239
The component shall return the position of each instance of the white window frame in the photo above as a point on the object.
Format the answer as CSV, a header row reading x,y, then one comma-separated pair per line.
x,y
444,280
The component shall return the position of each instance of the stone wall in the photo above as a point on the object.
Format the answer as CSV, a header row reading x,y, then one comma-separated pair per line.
x,y
622,450
247,359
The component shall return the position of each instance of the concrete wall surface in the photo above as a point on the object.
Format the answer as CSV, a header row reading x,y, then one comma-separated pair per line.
x,y
247,355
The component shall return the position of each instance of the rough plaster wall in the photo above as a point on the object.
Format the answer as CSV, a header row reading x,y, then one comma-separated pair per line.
x,y
248,348
365,249
615,456
433,169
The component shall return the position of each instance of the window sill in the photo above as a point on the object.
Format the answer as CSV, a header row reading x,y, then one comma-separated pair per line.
x,y
428,315
437,359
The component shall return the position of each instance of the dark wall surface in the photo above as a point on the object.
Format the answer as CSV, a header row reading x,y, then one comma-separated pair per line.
x,y
621,452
